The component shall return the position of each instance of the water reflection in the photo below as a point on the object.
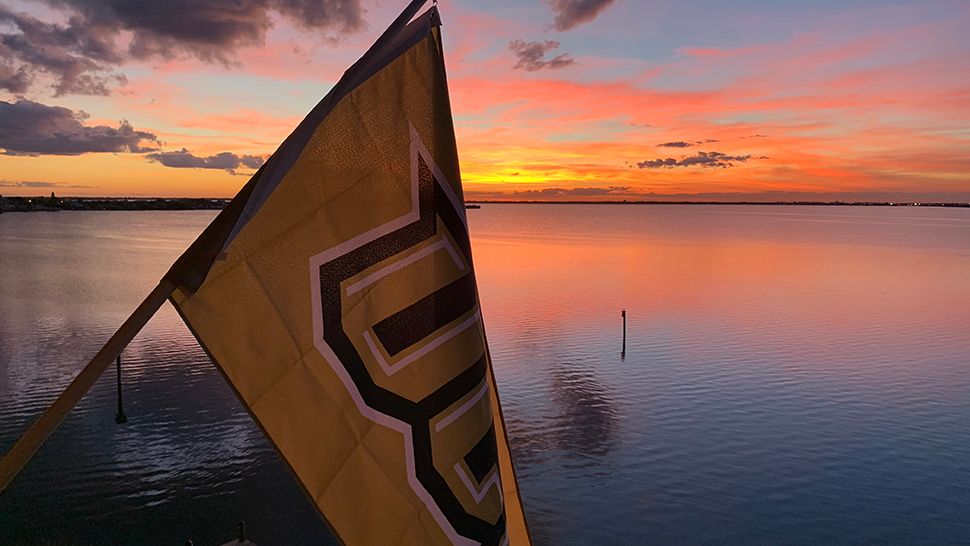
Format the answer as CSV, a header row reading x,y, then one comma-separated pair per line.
x,y
784,368
587,422
560,409
780,364
189,463
580,424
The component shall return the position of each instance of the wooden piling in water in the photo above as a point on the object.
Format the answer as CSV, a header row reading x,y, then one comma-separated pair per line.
x,y
120,417
43,426
623,350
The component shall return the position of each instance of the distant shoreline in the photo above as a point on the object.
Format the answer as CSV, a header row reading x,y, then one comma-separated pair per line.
x,y
786,203
54,204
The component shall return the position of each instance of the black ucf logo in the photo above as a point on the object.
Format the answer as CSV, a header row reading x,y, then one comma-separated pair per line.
x,y
396,315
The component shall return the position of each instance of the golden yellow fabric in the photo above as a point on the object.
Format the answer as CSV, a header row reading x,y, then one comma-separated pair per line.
x,y
259,311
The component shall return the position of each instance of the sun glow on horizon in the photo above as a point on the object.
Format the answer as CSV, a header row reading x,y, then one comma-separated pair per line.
x,y
869,101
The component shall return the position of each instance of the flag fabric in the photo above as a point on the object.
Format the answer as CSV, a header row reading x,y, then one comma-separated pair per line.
x,y
336,293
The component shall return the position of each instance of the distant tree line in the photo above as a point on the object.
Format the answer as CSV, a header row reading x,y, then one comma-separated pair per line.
x,y
54,203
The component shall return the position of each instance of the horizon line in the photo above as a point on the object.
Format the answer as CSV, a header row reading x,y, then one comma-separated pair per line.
x,y
801,202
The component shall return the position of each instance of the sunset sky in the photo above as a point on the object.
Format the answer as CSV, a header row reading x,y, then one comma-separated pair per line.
x,y
553,99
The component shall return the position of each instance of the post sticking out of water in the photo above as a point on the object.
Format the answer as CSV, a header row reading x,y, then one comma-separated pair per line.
x,y
27,445
242,531
120,417
623,350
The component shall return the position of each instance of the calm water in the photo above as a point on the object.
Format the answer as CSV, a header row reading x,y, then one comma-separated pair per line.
x,y
792,376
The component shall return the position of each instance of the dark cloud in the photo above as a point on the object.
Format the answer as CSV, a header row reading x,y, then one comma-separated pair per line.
x,y
571,13
531,55
703,159
12,78
77,59
210,30
228,161
685,144
31,128
82,53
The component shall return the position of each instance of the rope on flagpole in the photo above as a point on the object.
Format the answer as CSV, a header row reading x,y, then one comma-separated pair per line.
x,y
35,436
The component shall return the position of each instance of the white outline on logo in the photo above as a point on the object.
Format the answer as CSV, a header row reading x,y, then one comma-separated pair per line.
x,y
417,149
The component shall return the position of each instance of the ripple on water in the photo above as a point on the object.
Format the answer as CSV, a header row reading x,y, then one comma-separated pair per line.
x,y
793,376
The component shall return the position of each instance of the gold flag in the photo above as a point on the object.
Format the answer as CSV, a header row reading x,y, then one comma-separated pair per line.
x,y
337,295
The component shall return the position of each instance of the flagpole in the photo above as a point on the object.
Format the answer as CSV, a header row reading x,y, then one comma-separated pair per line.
x,y
28,444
